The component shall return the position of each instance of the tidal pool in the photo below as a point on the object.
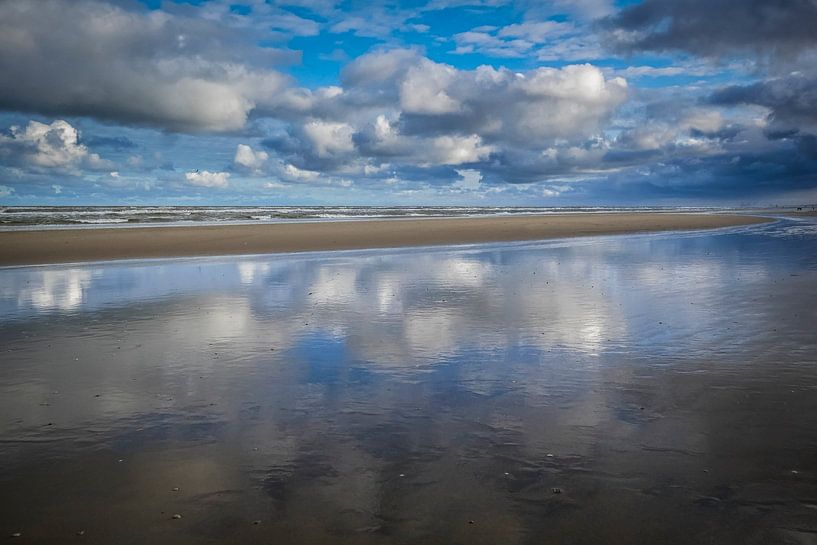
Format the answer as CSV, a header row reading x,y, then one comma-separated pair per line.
x,y
618,390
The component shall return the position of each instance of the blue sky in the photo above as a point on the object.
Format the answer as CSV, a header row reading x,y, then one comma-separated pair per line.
x,y
580,102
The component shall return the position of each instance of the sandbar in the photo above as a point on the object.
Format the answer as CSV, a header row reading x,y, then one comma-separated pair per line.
x,y
102,244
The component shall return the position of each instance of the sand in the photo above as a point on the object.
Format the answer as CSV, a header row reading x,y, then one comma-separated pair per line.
x,y
664,385
80,245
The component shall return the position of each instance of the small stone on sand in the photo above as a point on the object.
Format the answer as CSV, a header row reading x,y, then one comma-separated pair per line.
x,y
177,516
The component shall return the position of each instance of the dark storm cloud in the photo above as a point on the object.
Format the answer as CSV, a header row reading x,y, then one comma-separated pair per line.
x,y
95,59
723,134
717,27
752,177
778,38
792,104
792,100
807,143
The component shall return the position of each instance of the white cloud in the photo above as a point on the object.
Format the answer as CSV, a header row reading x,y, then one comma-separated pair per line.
x,y
329,138
579,82
542,39
378,67
703,120
264,16
470,179
54,145
685,130
591,9
551,192
456,150
5,191
294,173
424,89
519,107
205,178
485,42
535,31
578,90
400,109
250,159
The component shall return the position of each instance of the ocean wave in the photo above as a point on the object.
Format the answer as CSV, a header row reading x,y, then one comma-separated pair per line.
x,y
22,217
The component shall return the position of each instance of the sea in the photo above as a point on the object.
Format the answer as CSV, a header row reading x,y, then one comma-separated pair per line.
x,y
27,217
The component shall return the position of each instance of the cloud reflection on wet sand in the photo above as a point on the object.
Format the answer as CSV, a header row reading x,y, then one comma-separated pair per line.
x,y
663,384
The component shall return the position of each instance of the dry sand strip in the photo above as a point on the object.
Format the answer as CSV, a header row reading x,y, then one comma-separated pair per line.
x,y
79,245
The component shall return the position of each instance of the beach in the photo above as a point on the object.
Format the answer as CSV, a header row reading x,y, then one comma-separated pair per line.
x,y
623,390
29,247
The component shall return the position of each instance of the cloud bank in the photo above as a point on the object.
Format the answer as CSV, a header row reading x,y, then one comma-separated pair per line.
x,y
523,102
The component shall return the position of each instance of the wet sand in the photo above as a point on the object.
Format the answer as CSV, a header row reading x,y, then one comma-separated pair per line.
x,y
81,245
618,391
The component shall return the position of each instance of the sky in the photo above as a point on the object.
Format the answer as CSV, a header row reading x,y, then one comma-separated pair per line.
x,y
422,102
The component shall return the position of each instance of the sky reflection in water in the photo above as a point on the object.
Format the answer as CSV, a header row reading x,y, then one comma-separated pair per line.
x,y
664,385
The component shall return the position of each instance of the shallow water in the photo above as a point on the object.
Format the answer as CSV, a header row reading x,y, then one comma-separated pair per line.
x,y
631,389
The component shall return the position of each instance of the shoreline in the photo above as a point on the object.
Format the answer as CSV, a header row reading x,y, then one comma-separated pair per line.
x,y
39,247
